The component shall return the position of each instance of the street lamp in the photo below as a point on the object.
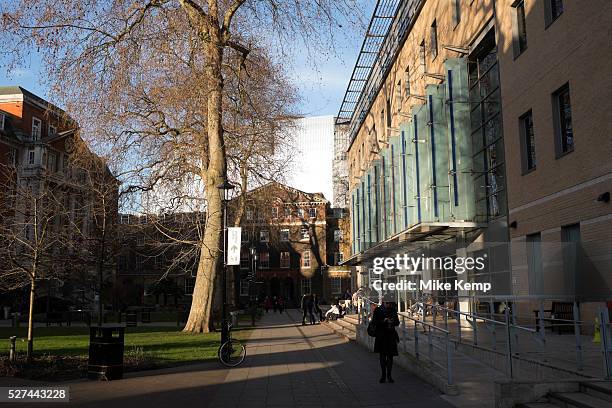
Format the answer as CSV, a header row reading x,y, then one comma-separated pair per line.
x,y
224,192
253,276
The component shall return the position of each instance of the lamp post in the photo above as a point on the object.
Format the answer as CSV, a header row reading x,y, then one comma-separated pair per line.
x,y
253,276
224,192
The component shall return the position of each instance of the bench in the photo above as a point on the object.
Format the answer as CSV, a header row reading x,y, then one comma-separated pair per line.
x,y
557,316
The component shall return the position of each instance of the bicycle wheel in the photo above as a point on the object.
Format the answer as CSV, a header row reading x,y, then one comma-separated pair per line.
x,y
232,353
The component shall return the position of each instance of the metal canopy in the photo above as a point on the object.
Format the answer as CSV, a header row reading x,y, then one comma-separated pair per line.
x,y
368,55
423,233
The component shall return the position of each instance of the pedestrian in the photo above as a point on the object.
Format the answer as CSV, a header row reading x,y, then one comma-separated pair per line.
x,y
385,320
281,304
267,304
347,295
354,302
275,304
311,309
317,308
304,305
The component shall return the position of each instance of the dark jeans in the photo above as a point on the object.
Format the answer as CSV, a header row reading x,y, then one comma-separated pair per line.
x,y
386,364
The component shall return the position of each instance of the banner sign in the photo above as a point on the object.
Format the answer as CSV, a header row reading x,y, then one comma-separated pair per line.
x,y
233,245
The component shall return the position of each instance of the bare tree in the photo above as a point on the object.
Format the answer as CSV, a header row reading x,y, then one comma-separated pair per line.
x,y
33,237
165,63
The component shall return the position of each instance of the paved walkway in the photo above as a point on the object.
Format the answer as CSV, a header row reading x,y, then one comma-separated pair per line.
x,y
287,365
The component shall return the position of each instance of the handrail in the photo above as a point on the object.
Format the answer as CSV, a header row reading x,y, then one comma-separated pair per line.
x,y
403,314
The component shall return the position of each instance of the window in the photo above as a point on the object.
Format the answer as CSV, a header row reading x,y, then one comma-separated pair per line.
x,y
422,56
312,212
336,285
456,10
31,156
264,236
285,260
2,119
570,236
338,258
520,28
249,214
389,121
287,211
12,157
264,260
306,259
434,39
140,239
527,141
284,235
407,82
244,287
52,130
189,285
304,233
301,212
337,235
306,286
562,119
398,95
244,235
52,162
552,9
274,212
534,264
245,261
36,125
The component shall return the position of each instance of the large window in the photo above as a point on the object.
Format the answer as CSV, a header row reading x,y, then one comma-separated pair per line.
x,y
189,285
407,82
337,235
422,56
306,259
534,264
306,286
456,10
312,213
36,126
285,260
304,234
244,287
527,141
264,236
553,9
520,28
336,285
264,260
487,135
284,235
2,118
562,117
338,258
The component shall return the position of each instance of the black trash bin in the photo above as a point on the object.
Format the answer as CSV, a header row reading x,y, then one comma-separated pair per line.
x,y
106,344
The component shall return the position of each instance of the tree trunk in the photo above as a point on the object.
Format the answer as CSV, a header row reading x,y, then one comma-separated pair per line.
x,y
31,321
214,175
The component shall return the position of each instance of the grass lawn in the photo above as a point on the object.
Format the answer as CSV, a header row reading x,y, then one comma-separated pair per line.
x,y
159,346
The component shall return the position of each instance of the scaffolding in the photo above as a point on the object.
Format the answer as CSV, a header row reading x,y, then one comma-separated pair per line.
x,y
386,33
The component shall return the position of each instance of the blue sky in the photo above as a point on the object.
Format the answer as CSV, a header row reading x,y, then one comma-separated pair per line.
x,y
321,83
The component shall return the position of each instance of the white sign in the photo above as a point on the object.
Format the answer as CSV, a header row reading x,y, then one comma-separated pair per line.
x,y
233,245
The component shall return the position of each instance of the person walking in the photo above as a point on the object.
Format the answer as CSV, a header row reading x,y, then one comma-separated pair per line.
x,y
281,304
275,304
304,305
311,309
267,304
317,308
385,319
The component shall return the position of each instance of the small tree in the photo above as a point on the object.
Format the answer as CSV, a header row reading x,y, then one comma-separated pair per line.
x,y
33,236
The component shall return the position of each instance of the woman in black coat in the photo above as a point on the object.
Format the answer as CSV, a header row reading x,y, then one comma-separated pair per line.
x,y
385,319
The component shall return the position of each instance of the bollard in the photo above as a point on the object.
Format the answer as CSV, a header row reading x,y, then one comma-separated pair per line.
x,y
12,353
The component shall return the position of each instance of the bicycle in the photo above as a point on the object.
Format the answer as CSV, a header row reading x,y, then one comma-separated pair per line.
x,y
231,353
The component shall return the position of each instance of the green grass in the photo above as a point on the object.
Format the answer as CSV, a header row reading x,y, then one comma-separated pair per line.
x,y
161,345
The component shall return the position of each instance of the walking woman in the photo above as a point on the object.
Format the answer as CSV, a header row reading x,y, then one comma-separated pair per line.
x,y
386,320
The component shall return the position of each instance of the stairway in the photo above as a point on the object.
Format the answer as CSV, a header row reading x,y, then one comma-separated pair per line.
x,y
594,394
346,326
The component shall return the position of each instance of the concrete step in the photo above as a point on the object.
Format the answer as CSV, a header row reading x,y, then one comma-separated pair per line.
x,y
577,400
598,389
353,319
537,405
341,330
346,324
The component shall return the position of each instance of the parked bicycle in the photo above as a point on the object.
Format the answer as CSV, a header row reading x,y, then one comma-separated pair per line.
x,y
231,353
